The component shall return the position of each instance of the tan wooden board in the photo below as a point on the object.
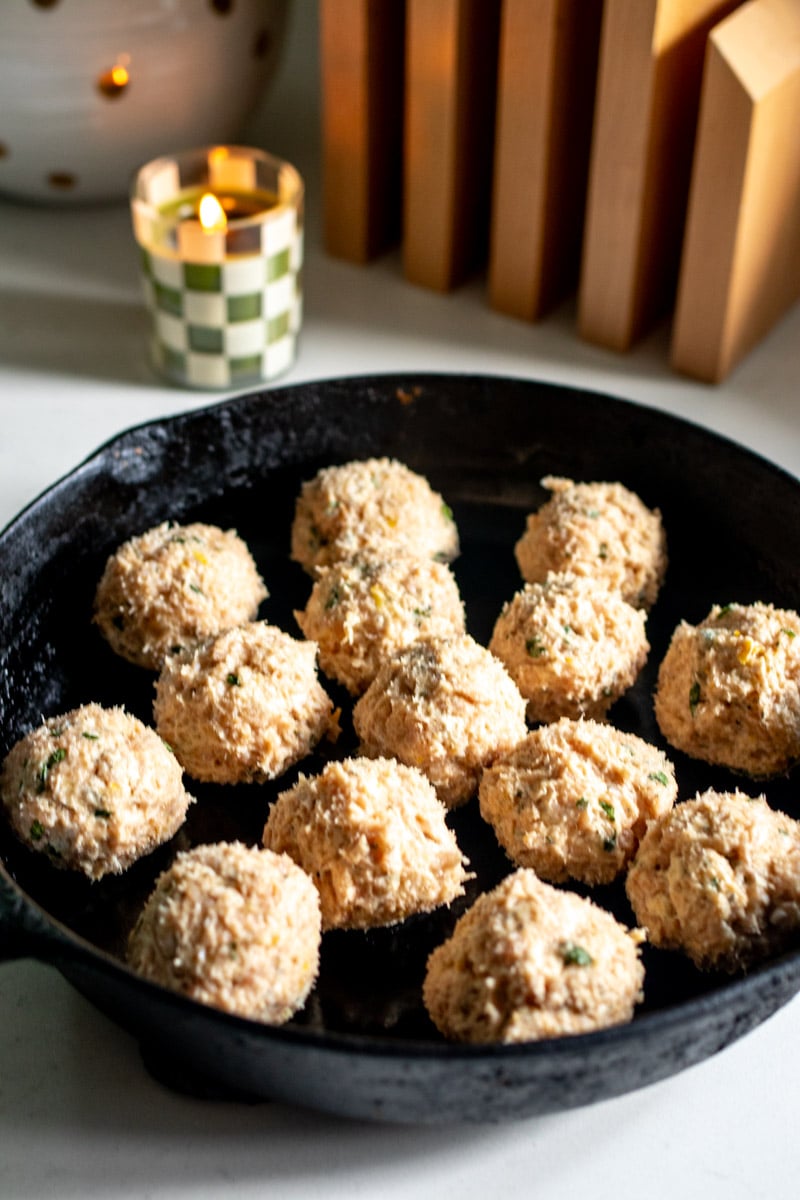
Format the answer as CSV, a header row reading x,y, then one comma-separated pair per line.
x,y
361,79
740,268
651,60
451,73
545,105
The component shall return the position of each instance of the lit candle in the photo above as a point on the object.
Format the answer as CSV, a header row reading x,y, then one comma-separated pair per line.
x,y
221,233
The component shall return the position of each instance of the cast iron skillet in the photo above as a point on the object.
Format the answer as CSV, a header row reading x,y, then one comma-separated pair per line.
x,y
363,1046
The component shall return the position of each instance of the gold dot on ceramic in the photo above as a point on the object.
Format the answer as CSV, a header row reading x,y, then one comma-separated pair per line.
x,y
263,43
62,181
222,7
114,82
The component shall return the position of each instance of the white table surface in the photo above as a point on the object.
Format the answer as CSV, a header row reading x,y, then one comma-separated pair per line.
x,y
79,1117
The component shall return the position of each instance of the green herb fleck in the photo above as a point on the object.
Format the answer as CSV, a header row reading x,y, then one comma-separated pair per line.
x,y
610,843
535,647
694,697
37,831
659,777
333,598
603,550
447,511
105,813
233,680
790,633
56,757
724,610
194,588
51,850
91,737
594,513
608,809
167,746
573,955
714,883
422,613
56,731
581,802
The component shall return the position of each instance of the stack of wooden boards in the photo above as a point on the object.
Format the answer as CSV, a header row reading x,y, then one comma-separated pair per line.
x,y
644,153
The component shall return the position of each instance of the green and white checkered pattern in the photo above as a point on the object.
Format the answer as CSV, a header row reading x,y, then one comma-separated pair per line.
x,y
233,323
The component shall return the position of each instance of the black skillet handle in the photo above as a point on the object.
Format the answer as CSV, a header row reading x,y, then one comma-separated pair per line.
x,y
23,934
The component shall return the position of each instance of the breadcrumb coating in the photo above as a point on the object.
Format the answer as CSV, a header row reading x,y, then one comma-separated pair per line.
x,y
572,646
728,689
601,530
529,961
173,586
362,611
234,927
372,835
243,706
718,877
370,508
94,789
446,706
574,798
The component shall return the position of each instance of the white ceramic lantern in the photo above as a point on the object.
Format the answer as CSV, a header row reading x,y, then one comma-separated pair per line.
x,y
90,89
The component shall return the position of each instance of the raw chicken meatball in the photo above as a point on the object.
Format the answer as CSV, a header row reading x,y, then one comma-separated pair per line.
x,y
94,789
372,835
243,706
573,799
729,689
371,508
233,927
446,706
529,961
719,878
602,530
361,611
572,646
173,586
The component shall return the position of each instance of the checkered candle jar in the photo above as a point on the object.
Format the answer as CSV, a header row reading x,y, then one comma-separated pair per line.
x,y
221,237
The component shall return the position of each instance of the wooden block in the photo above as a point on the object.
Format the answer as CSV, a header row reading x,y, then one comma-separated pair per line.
x,y
651,60
740,269
361,76
545,104
451,76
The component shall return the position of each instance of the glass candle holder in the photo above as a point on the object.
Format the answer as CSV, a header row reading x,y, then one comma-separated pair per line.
x,y
221,235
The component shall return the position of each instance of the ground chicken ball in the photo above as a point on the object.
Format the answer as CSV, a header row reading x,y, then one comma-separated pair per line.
x,y
719,878
372,835
572,646
602,530
446,706
94,789
529,961
173,586
234,927
244,706
573,799
729,689
375,508
360,612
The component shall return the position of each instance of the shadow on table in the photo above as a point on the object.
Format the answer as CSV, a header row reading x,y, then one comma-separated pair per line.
x,y
68,335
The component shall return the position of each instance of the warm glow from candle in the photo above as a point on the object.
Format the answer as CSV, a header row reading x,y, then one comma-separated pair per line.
x,y
211,214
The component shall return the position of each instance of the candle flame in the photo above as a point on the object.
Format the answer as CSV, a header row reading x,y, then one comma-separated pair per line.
x,y
211,214
119,75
